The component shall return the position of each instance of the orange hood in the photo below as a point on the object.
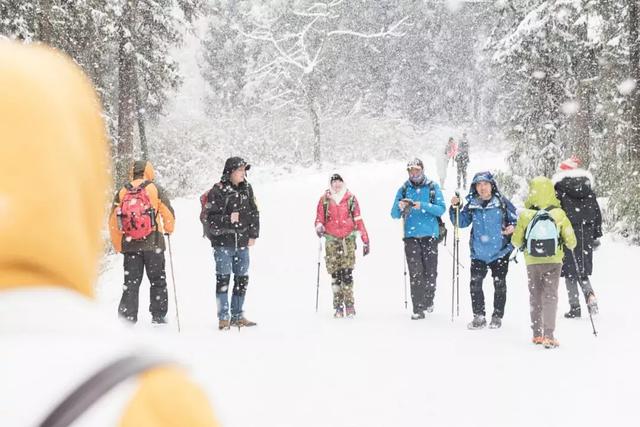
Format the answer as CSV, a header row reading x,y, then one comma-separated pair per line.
x,y
53,170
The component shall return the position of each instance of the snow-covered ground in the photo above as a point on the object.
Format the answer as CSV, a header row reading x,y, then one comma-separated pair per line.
x,y
302,368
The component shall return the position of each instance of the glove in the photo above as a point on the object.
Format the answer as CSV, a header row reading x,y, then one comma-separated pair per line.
x,y
365,249
320,230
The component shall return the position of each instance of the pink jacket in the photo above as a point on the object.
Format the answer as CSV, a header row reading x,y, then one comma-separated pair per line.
x,y
340,222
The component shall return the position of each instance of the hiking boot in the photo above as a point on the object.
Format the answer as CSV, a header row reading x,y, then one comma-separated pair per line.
x,y
158,320
223,324
430,309
592,304
496,322
417,316
350,312
242,322
537,340
550,343
478,322
573,313
339,314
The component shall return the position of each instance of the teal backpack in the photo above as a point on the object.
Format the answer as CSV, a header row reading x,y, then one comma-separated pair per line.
x,y
542,235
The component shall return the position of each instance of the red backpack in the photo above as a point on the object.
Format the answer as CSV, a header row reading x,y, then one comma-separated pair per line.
x,y
136,216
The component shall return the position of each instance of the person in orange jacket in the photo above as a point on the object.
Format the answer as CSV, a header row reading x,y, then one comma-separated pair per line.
x,y
53,180
142,253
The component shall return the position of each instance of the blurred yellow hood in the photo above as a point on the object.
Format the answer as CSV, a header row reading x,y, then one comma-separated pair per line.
x,y
53,170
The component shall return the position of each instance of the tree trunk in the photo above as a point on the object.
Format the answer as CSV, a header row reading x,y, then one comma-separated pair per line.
x,y
315,121
634,63
584,117
126,93
45,27
140,116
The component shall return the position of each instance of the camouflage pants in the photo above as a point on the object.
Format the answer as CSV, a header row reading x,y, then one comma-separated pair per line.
x,y
342,287
340,254
340,259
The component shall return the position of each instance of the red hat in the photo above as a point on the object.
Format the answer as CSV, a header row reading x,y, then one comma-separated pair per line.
x,y
570,164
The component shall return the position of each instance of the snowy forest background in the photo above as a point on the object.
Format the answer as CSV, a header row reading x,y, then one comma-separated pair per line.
x,y
296,82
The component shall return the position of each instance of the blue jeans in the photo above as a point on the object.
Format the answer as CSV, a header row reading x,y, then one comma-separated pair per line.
x,y
231,260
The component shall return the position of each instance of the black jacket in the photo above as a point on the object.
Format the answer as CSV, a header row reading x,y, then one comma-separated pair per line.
x,y
579,202
224,199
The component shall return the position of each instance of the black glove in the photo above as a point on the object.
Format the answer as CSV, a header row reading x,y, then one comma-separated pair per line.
x,y
365,249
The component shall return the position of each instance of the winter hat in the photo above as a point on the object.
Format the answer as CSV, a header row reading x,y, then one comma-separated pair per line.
x,y
335,177
570,164
232,164
415,163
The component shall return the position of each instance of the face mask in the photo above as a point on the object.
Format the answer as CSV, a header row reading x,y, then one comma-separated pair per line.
x,y
417,179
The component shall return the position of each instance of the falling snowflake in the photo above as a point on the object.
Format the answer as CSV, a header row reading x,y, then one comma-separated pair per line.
x,y
627,86
570,108
539,75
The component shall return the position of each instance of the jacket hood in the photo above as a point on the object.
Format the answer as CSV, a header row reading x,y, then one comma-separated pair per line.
x,y
142,169
542,195
232,164
482,176
577,183
53,161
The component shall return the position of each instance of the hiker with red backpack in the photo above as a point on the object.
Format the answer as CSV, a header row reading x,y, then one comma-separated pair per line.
x,y
141,214
337,220
231,221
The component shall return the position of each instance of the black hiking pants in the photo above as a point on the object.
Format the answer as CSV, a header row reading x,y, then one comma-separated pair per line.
x,y
134,265
422,260
499,269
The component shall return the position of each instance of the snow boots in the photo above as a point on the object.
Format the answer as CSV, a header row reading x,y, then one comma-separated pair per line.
x,y
496,322
478,322
242,322
573,313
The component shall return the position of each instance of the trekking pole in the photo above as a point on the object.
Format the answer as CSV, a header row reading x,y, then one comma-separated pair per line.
x,y
579,272
453,277
457,235
318,277
173,279
404,262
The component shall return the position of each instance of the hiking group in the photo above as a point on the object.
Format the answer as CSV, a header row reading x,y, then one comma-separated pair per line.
x,y
554,216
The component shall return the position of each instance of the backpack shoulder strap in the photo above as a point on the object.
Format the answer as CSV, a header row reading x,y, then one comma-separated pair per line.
x,y
432,192
325,206
98,385
404,190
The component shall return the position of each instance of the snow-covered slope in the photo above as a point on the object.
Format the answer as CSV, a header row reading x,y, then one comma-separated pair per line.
x,y
299,367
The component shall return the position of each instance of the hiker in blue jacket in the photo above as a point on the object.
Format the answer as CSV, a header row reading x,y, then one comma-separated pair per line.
x,y
492,218
420,203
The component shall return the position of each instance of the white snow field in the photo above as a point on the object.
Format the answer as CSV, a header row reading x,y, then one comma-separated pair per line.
x,y
302,368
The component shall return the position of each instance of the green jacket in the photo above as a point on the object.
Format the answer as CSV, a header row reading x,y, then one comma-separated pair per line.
x,y
543,196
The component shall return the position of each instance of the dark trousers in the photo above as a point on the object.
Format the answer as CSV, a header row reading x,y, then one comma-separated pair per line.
x,y
499,269
422,260
462,173
134,265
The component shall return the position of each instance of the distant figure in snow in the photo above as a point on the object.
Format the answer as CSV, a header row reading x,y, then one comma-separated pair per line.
x,y
452,150
462,160
338,219
492,218
442,163
574,188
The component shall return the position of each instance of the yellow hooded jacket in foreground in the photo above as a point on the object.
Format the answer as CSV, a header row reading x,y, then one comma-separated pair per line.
x,y
542,195
53,192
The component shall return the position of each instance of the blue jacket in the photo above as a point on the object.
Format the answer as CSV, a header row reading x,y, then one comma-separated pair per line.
x,y
421,222
487,242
